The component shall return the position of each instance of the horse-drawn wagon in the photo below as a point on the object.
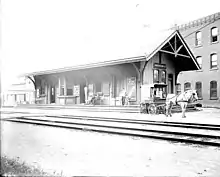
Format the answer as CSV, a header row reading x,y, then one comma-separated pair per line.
x,y
153,98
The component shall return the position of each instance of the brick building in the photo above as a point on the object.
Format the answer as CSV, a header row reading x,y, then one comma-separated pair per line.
x,y
203,38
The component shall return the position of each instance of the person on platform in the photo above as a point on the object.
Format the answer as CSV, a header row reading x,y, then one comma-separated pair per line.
x,y
123,97
126,98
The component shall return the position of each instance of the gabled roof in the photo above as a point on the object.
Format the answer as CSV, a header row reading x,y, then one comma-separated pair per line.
x,y
178,47
152,42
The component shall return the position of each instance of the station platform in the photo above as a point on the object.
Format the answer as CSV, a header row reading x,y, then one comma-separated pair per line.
x,y
199,115
98,108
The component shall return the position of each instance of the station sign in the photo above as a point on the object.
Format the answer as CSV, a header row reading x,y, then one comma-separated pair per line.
x,y
131,88
159,66
76,90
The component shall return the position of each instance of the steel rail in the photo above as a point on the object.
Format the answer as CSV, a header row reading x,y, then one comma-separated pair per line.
x,y
210,140
134,121
145,122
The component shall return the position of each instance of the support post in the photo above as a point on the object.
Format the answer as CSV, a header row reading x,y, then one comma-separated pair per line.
x,y
138,72
59,85
86,80
32,80
175,43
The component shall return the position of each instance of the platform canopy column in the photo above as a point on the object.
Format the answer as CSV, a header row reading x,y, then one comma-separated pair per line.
x,y
139,67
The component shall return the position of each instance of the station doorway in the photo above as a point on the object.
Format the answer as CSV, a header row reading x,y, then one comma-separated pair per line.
x,y
170,84
82,93
52,96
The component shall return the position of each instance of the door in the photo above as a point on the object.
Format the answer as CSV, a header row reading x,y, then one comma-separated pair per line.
x,y
82,92
52,96
170,83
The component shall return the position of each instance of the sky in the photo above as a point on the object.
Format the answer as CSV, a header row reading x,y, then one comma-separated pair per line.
x,y
47,34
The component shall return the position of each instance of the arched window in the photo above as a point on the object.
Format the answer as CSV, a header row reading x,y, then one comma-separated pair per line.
x,y
213,90
156,76
199,60
163,77
199,89
178,89
198,40
213,61
214,34
187,86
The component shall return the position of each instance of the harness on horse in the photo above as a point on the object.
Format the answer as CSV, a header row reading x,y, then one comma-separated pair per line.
x,y
176,102
181,99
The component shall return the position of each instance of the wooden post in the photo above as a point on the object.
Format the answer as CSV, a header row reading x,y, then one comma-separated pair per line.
x,y
64,80
59,85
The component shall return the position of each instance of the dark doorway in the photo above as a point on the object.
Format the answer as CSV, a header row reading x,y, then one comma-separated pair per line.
x,y
52,96
82,93
98,87
170,83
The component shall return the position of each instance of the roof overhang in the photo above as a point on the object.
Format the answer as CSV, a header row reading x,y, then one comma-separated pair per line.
x,y
90,65
164,41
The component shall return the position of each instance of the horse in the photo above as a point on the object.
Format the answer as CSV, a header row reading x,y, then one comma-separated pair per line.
x,y
182,99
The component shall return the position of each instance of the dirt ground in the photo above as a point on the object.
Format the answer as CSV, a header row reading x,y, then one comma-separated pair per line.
x,y
73,152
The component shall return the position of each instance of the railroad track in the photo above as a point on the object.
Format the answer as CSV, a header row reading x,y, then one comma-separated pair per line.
x,y
146,122
203,134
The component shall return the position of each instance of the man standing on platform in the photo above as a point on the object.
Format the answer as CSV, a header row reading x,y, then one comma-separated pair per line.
x,y
123,96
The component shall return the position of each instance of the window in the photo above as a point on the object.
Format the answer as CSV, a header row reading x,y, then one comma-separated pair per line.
x,y
199,60
42,90
69,89
156,76
187,86
214,34
213,61
199,89
198,41
178,89
106,88
163,77
62,91
213,90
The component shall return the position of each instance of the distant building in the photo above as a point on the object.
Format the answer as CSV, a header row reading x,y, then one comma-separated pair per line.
x,y
203,38
21,92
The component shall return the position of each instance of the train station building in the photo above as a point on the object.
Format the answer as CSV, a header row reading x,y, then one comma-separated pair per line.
x,y
158,62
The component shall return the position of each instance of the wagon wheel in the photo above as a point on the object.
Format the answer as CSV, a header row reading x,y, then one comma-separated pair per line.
x,y
152,109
